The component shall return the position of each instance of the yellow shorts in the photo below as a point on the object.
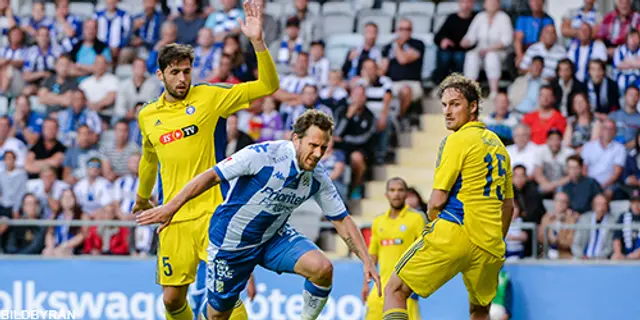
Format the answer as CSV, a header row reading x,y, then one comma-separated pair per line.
x,y
444,251
181,246
375,306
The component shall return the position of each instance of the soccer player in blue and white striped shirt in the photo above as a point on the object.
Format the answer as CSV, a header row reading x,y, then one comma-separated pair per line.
x,y
114,25
266,183
40,62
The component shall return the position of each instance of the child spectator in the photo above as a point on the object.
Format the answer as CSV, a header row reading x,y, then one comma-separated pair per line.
x,y
334,93
269,122
333,162
27,124
318,64
63,240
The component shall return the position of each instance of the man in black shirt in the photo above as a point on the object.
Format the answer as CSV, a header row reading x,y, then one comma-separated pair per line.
x,y
450,53
402,62
55,92
47,152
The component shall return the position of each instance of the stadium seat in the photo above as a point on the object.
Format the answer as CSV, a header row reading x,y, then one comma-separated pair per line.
x,y
4,106
274,9
81,9
446,8
389,8
421,23
384,39
314,7
384,22
438,21
548,205
133,7
430,54
124,71
337,8
427,8
618,207
337,23
338,45
49,10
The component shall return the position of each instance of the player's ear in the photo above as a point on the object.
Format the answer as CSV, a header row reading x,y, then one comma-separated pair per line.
x,y
473,107
159,74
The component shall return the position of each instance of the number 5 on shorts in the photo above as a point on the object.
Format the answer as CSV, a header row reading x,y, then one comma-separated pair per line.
x,y
168,271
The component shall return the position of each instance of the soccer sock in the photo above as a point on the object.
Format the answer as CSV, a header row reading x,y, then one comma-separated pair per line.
x,y
314,297
184,313
239,312
395,314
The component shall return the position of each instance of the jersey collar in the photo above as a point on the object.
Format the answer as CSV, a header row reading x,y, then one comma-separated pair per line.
x,y
180,103
294,159
401,214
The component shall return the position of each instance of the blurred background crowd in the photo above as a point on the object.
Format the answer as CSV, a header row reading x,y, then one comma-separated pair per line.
x,y
563,95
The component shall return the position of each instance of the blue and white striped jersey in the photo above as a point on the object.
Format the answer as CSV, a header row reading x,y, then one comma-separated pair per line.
x,y
221,21
41,61
113,29
13,55
263,185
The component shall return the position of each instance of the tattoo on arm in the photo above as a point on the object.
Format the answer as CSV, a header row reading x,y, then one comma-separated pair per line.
x,y
352,246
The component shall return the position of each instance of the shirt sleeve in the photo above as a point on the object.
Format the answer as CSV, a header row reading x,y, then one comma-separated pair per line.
x,y
374,242
621,156
246,162
520,24
329,200
508,184
148,167
448,164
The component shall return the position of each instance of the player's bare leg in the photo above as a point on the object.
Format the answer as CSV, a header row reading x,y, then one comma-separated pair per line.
x,y
213,314
318,271
477,312
396,294
175,303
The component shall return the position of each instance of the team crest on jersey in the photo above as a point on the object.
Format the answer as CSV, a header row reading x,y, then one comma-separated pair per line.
x,y
178,134
190,110
403,228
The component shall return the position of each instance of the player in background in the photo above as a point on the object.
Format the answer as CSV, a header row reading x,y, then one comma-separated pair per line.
x,y
267,182
391,234
184,134
470,207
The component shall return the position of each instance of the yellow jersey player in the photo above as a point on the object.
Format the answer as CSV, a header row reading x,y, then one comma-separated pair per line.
x,y
184,134
471,206
392,234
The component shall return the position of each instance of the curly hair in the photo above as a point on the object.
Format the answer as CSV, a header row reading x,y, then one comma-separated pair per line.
x,y
174,53
470,89
310,118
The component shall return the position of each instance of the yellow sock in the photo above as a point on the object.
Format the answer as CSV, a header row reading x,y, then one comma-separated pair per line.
x,y
183,313
239,312
395,314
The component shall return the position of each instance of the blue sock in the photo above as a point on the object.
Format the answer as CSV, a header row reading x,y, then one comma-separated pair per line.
x,y
315,297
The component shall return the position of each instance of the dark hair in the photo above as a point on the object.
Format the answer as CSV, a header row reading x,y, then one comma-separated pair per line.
x,y
367,60
554,131
631,88
292,21
519,166
396,179
174,53
308,85
77,212
538,58
303,54
422,205
24,197
50,120
546,87
599,62
565,61
317,43
6,152
83,126
371,24
121,121
311,118
470,89
577,158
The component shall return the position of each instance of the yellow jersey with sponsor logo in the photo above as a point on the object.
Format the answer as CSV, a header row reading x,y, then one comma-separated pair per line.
x,y
390,238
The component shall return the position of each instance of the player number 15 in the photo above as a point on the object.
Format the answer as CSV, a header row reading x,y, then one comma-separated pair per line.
x,y
488,159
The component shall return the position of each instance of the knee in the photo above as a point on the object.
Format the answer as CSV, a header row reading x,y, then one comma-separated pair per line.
x,y
357,159
405,92
323,270
172,300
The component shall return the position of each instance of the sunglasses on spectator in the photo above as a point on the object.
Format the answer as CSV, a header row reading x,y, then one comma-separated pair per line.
x,y
404,29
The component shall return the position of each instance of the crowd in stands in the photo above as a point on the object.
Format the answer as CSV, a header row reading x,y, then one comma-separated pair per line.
x,y
72,85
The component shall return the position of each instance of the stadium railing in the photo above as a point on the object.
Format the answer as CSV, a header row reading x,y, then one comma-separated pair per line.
x,y
545,246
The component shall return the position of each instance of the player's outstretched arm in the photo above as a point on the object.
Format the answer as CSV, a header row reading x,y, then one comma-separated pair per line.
x,y
351,235
194,188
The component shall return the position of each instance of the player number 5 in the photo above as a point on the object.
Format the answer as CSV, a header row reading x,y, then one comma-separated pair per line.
x,y
488,159
168,271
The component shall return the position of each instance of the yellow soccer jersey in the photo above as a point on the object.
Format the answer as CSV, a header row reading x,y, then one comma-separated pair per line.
x,y
185,138
390,238
474,167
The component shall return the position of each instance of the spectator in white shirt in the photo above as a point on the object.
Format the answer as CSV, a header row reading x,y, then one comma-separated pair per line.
x,y
548,49
93,191
125,189
605,158
138,88
523,152
101,89
48,189
9,143
12,185
318,64
584,49
334,91
551,169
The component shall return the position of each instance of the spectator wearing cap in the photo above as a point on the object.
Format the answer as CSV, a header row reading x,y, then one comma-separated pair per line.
x,y
526,192
289,47
355,128
545,118
56,91
139,87
525,90
26,123
491,33
77,157
224,72
581,189
225,22
368,50
602,91
38,19
114,26
617,23
605,158
47,152
502,121
101,89
188,22
48,189
448,38
168,34
624,71
574,18
566,86
309,100
65,25
628,119
145,31
310,25
7,21
318,64
523,151
548,49
93,191
402,63
40,62
83,52
528,28
583,49
206,56
236,139
12,59
118,151
27,239
291,85
626,242
582,127
559,238
595,243
77,115
551,169
13,183
10,143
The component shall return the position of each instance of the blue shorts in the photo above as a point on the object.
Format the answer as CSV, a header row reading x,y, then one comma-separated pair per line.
x,y
228,271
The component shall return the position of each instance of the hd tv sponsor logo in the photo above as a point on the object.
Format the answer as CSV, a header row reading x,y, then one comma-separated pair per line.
x,y
178,134
269,303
